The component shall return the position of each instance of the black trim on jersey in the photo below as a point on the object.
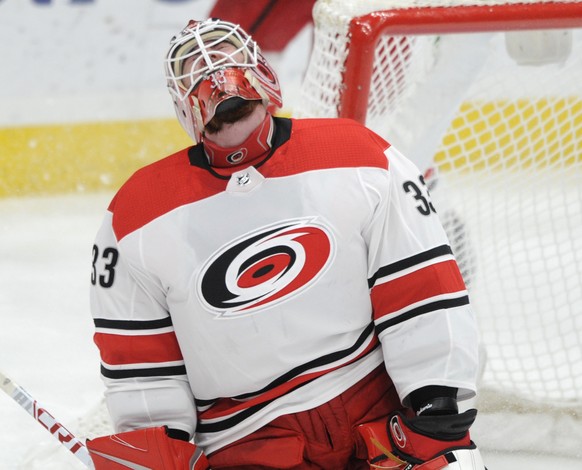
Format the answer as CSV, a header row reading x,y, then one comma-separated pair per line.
x,y
321,361
244,414
281,135
133,324
151,372
239,417
427,308
409,262
204,403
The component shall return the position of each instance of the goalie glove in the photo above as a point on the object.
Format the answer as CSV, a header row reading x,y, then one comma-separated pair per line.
x,y
422,443
149,448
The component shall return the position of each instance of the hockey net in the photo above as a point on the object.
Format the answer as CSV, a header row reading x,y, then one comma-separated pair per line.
x,y
486,98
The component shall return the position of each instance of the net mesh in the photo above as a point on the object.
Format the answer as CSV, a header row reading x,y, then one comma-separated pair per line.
x,y
494,120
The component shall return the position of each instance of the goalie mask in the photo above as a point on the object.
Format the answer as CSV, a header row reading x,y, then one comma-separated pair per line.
x,y
210,62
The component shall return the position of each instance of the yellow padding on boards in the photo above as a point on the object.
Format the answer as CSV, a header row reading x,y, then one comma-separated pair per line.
x,y
486,136
514,135
68,158
82,157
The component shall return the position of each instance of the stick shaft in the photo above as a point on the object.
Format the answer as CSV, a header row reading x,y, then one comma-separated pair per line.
x,y
46,420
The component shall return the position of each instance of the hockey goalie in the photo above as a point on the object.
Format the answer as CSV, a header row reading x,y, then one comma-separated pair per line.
x,y
280,295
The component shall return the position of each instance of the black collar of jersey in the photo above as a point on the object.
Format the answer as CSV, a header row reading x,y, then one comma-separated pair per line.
x,y
282,134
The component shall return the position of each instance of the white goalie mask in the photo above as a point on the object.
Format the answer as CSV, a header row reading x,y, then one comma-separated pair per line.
x,y
210,62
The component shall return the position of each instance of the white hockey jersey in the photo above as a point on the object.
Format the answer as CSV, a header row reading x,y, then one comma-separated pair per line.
x,y
223,299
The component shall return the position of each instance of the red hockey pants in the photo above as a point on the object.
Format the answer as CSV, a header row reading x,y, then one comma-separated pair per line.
x,y
320,438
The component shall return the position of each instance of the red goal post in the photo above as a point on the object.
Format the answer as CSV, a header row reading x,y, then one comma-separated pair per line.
x,y
365,30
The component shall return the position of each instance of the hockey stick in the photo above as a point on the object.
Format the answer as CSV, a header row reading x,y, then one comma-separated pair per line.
x,y
23,398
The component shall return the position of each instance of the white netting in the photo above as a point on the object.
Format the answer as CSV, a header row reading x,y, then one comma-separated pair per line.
x,y
497,117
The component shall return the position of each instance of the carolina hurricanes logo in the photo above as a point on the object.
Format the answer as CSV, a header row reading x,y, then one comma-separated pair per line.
x,y
237,157
397,433
265,267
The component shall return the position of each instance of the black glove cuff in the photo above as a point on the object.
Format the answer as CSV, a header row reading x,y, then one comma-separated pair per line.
x,y
439,406
422,398
443,427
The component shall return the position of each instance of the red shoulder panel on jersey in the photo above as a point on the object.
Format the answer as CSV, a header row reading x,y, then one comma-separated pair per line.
x,y
321,144
159,188
315,144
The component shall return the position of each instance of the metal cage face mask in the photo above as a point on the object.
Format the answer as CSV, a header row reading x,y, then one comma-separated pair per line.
x,y
210,62
203,48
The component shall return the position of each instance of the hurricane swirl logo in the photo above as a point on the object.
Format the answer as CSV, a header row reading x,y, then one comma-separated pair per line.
x,y
265,267
397,432
237,157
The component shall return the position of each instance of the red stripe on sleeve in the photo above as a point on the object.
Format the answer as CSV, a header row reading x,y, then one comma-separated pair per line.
x,y
433,280
124,350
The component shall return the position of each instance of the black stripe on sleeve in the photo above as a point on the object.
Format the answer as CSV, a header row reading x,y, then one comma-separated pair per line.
x,y
151,372
133,324
409,262
427,308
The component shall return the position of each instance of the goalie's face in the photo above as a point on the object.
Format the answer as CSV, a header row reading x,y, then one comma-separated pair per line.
x,y
210,62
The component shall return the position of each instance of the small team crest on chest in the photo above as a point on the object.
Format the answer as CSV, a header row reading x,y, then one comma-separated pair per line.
x,y
243,178
265,267
244,181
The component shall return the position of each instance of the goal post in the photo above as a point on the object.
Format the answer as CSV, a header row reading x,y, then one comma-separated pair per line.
x,y
485,96
365,30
